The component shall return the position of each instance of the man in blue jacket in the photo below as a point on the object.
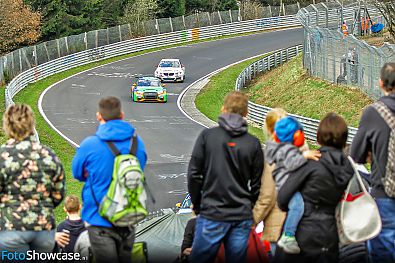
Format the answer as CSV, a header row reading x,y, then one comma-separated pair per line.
x,y
93,164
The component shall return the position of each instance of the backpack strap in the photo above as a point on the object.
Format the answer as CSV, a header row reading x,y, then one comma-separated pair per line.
x,y
385,113
132,150
133,144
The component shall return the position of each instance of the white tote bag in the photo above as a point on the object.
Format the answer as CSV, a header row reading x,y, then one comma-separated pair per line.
x,y
357,216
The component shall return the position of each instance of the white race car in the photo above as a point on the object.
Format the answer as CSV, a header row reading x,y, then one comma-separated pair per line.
x,y
170,70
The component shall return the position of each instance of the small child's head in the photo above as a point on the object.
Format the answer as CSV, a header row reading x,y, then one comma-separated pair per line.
x,y
72,205
272,117
289,130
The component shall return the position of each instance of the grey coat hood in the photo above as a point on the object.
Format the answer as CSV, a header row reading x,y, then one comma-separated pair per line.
x,y
234,124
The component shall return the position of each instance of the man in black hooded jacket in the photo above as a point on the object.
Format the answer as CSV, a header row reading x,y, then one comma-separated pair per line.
x,y
372,142
224,176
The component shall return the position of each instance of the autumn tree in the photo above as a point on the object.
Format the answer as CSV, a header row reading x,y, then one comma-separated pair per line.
x,y
18,25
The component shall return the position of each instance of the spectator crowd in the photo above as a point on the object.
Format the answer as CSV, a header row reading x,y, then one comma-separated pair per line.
x,y
235,185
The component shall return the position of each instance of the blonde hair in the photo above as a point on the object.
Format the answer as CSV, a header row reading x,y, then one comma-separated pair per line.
x,y
272,117
18,121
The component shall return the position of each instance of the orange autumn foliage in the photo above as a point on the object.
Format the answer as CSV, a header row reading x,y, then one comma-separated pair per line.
x,y
19,25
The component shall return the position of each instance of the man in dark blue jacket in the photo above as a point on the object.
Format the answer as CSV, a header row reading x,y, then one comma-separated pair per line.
x,y
93,164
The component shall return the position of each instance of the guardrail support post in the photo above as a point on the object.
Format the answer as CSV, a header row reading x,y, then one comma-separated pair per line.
x,y
209,18
230,16
220,18
120,33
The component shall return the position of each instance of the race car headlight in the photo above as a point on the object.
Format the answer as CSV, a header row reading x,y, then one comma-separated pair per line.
x,y
162,92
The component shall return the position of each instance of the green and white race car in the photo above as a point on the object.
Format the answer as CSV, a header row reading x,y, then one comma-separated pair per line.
x,y
148,89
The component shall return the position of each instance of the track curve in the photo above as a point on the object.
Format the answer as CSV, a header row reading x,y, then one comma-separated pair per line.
x,y
169,136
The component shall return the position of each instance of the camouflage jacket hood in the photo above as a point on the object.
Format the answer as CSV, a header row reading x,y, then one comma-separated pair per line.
x,y
32,184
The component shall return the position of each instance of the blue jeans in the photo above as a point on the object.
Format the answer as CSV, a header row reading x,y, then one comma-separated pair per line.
x,y
295,213
22,241
382,247
210,234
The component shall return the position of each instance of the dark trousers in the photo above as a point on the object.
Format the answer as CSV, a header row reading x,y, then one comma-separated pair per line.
x,y
111,244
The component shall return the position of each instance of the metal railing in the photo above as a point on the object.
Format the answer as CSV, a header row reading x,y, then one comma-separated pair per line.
x,y
257,113
340,59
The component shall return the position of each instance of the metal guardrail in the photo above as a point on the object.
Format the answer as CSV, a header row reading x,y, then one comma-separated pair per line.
x,y
139,44
257,113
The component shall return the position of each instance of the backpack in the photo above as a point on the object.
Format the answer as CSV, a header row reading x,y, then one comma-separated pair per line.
x,y
125,201
389,177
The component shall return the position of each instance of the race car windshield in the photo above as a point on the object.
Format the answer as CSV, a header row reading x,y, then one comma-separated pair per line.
x,y
148,83
169,64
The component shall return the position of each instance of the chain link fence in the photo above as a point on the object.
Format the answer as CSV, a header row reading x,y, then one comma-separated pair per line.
x,y
333,56
26,58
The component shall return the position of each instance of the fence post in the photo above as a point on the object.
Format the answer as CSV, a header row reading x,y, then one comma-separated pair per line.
x,y
219,15
326,15
157,25
230,16
66,41
97,38
1,69
209,18
183,21
334,62
46,50
120,34
86,40
171,25
298,5
317,17
130,30
58,47
108,37
20,60
35,54
270,11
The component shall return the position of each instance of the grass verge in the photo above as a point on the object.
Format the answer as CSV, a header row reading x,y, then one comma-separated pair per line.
x,y
49,137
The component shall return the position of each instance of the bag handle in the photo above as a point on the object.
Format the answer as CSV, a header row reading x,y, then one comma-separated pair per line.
x,y
358,176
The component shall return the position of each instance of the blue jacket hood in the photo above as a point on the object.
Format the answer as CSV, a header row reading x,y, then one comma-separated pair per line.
x,y
115,130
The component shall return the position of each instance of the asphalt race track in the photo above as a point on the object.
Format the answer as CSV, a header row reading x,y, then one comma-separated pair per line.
x,y
168,135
